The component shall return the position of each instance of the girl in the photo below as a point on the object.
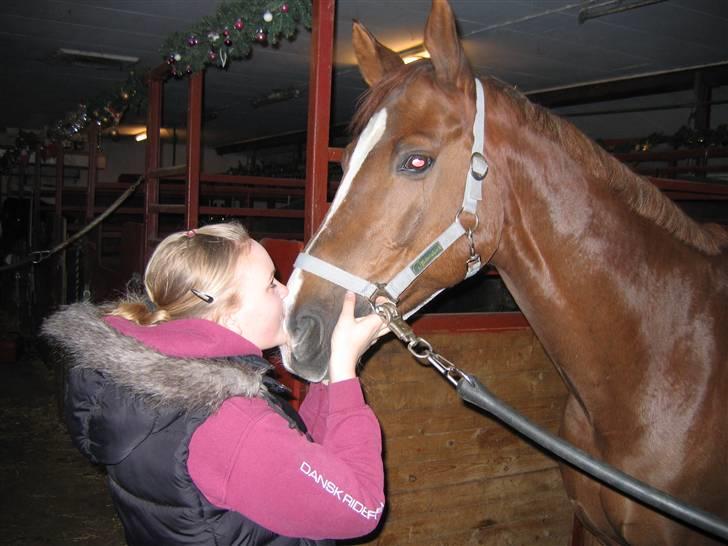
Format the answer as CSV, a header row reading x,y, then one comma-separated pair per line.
x,y
170,393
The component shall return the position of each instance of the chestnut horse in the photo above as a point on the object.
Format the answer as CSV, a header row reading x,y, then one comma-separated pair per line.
x,y
628,295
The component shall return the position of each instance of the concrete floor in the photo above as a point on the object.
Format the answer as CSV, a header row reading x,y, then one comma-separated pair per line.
x,y
49,493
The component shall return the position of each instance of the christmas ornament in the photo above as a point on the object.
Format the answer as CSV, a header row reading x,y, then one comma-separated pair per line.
x,y
250,21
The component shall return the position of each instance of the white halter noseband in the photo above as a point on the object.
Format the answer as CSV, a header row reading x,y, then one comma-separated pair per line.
x,y
473,195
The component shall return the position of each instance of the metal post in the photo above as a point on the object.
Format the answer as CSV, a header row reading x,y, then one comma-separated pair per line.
x,y
60,180
151,195
194,149
319,115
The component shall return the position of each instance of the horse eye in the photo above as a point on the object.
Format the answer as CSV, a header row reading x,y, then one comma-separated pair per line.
x,y
416,163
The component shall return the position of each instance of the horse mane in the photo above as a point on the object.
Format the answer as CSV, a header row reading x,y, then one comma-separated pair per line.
x,y
641,195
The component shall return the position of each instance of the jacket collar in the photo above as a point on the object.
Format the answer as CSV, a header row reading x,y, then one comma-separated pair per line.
x,y
191,383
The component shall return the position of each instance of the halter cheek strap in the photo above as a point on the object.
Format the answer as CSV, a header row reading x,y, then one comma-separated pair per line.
x,y
472,196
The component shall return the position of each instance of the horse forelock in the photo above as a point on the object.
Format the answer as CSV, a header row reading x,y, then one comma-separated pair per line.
x,y
639,194
373,99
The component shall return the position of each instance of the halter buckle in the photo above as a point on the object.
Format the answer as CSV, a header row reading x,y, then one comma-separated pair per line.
x,y
478,166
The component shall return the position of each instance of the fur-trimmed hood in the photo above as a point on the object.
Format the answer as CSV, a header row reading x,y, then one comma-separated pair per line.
x,y
192,384
119,391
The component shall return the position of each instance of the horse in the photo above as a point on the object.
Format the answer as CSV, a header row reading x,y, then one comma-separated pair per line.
x,y
627,294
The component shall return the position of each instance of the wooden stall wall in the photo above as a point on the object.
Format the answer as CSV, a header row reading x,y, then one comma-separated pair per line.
x,y
456,476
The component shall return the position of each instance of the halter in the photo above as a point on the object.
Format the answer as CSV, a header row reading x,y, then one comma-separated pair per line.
x,y
473,195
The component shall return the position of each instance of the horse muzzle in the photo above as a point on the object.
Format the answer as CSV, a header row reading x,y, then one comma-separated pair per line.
x,y
309,344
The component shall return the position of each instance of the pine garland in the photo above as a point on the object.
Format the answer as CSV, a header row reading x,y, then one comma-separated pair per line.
x,y
105,110
214,41
229,33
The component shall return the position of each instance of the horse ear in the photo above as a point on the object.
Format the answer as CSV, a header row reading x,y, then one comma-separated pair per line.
x,y
442,42
375,60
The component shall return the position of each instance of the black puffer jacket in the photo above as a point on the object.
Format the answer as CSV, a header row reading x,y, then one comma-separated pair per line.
x,y
134,410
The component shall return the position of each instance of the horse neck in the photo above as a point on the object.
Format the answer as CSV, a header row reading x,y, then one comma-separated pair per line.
x,y
568,245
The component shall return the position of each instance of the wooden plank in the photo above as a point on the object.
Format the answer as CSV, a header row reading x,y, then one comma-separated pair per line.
x,y
469,322
485,464
489,509
411,395
477,353
547,530
429,421
491,436
520,487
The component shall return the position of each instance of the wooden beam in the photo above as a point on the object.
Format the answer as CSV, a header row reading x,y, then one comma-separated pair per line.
x,y
623,88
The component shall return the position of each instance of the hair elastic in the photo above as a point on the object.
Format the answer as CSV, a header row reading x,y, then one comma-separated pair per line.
x,y
190,233
149,304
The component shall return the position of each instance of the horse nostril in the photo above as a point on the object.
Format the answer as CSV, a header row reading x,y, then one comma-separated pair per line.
x,y
309,330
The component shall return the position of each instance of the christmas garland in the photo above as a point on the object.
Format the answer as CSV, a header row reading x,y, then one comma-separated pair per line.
x,y
231,31
105,110
213,41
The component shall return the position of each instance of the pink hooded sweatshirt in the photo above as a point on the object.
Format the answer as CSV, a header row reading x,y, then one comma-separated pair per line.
x,y
247,458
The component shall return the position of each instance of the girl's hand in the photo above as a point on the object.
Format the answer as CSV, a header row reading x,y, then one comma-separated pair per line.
x,y
351,338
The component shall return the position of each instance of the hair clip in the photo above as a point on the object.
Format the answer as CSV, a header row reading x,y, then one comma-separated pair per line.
x,y
190,233
207,298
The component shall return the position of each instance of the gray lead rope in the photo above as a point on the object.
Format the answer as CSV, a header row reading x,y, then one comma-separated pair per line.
x,y
471,390
41,255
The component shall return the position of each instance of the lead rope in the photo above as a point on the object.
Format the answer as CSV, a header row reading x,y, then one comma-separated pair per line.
x,y
471,390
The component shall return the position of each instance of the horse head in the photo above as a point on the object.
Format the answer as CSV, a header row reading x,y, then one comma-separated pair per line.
x,y
404,183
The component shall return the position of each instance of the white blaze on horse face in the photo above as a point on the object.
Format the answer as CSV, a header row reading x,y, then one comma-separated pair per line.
x,y
368,139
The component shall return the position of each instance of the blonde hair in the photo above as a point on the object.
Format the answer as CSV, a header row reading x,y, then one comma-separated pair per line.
x,y
204,260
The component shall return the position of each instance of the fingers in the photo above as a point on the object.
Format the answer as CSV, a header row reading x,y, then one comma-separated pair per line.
x,y
347,308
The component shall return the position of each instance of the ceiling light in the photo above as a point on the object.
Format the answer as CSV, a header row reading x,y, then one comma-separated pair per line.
x,y
95,58
277,95
607,7
414,54
141,136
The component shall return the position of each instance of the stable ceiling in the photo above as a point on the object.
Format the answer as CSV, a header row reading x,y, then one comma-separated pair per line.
x,y
534,44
